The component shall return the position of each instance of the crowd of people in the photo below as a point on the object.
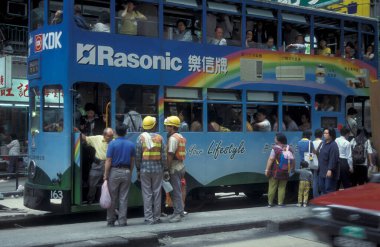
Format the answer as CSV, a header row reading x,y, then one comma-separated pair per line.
x,y
341,162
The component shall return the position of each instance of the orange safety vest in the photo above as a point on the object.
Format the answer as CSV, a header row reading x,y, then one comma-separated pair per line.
x,y
155,152
180,153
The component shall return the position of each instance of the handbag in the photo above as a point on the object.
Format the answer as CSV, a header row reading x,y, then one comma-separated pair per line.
x,y
311,158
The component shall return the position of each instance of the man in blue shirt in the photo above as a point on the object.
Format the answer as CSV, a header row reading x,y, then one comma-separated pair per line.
x,y
118,170
305,144
328,167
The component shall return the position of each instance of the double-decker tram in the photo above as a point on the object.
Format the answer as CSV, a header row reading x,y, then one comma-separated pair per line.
x,y
236,71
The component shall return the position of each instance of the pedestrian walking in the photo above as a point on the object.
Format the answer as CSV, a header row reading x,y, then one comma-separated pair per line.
x,y
151,164
279,164
176,157
328,167
14,153
345,159
118,169
361,157
100,144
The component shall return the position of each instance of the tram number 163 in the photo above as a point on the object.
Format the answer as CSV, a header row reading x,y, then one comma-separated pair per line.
x,y
56,194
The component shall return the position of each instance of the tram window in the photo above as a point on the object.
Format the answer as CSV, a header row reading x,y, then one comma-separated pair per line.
x,y
327,31
133,103
261,96
261,117
362,107
183,93
329,122
227,17
324,102
55,12
137,18
296,98
35,105
183,24
92,15
261,34
296,118
53,109
296,34
224,117
37,14
223,94
368,43
190,115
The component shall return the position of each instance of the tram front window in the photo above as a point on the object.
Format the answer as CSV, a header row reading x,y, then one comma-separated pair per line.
x,y
53,109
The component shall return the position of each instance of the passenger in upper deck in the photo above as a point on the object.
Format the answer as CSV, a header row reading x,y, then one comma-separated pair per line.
x,y
323,49
129,18
298,46
249,39
79,19
218,38
349,51
38,15
269,45
369,55
57,17
181,33
103,24
290,34
260,34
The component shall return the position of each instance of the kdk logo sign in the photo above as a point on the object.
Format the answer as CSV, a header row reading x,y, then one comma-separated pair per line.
x,y
47,41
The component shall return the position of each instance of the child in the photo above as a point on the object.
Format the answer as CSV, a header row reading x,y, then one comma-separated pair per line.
x,y
306,178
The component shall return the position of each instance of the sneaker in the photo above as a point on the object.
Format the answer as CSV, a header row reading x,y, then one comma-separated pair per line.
x,y
299,205
270,205
158,221
183,214
110,224
304,205
175,218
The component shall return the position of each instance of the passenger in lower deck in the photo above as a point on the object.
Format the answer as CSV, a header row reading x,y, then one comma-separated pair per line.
x,y
100,144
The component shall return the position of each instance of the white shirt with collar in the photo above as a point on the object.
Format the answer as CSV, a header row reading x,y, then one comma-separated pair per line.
x,y
344,149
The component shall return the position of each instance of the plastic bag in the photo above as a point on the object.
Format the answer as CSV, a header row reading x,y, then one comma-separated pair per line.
x,y
105,197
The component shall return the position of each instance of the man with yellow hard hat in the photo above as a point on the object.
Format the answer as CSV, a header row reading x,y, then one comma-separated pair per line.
x,y
176,157
151,163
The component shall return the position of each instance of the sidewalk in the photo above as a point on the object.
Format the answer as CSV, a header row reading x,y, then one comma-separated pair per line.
x,y
139,234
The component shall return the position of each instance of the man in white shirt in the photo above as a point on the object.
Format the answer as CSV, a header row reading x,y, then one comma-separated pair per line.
x,y
345,158
218,38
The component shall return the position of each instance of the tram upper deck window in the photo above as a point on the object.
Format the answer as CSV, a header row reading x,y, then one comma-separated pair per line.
x,y
223,23
261,29
92,15
53,108
327,31
37,14
368,42
133,103
189,109
137,18
325,102
296,34
183,21
35,104
55,12
223,94
351,37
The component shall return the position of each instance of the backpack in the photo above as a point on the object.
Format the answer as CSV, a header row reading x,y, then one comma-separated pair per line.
x,y
358,153
283,163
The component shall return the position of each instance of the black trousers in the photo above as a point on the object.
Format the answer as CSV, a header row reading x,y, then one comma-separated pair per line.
x,y
344,175
360,175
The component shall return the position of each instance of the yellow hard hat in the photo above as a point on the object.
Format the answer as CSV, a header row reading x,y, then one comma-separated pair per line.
x,y
148,122
172,121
